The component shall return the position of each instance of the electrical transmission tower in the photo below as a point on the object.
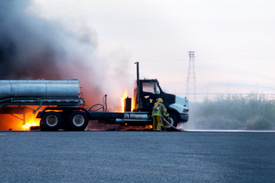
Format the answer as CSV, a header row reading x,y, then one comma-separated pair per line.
x,y
191,77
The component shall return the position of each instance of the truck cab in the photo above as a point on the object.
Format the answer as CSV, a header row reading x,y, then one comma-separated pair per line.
x,y
146,93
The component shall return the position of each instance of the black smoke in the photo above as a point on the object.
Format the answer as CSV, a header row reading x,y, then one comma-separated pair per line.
x,y
35,48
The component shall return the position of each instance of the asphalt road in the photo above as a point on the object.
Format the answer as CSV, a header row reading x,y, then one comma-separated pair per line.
x,y
137,156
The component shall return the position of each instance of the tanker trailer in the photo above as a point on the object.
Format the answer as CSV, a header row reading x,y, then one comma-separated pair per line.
x,y
63,94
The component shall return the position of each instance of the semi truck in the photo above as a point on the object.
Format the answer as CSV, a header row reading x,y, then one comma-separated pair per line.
x,y
60,106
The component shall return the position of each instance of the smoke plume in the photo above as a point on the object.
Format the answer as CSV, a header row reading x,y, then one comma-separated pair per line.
x,y
36,48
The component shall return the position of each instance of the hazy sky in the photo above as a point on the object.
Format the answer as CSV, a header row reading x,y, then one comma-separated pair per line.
x,y
233,40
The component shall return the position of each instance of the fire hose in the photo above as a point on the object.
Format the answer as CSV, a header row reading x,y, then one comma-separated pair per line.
x,y
171,125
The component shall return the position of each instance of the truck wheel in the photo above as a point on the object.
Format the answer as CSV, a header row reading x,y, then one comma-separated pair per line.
x,y
173,120
50,121
78,121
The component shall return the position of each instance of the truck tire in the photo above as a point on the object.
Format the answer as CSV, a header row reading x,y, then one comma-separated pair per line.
x,y
173,120
78,121
50,121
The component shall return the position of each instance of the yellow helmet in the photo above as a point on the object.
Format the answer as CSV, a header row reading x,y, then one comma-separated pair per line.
x,y
159,100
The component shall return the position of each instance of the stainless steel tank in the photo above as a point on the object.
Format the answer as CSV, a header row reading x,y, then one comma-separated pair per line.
x,y
44,89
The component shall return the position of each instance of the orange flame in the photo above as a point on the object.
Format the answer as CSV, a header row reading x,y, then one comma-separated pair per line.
x,y
31,121
133,104
122,100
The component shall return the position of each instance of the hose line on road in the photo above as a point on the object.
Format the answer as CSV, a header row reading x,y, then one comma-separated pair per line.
x,y
172,125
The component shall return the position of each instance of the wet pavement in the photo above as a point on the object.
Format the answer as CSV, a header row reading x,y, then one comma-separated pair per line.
x,y
137,156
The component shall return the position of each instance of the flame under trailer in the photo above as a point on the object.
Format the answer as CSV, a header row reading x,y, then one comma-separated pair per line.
x,y
63,108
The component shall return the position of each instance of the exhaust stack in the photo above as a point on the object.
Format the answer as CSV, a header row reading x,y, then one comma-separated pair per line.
x,y
138,87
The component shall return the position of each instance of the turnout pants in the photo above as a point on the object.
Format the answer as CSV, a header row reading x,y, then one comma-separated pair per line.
x,y
157,122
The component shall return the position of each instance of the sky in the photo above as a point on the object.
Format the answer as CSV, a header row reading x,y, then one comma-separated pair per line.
x,y
233,40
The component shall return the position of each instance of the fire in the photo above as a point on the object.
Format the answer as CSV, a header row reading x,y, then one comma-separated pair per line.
x,y
28,125
122,100
133,104
31,120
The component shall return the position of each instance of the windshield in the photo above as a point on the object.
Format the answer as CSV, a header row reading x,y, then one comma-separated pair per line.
x,y
151,88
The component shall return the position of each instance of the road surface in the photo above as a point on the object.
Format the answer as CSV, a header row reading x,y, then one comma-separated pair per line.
x,y
137,156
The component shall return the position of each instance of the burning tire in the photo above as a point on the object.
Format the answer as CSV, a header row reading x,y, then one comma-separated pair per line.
x,y
78,121
50,121
173,120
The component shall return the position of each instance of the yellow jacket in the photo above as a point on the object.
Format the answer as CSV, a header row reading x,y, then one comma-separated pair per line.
x,y
159,109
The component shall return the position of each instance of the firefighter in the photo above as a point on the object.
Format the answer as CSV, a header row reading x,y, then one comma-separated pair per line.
x,y
159,110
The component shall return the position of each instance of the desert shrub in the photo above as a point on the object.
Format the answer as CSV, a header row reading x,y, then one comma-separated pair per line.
x,y
251,112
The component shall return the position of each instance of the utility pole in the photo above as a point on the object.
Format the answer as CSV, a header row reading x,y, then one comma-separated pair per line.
x,y
191,77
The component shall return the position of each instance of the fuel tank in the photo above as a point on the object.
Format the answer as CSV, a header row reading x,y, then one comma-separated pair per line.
x,y
44,89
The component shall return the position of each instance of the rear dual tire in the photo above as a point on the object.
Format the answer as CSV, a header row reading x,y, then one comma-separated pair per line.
x,y
78,121
50,121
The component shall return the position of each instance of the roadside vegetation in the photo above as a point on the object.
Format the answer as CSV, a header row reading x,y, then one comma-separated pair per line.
x,y
234,112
